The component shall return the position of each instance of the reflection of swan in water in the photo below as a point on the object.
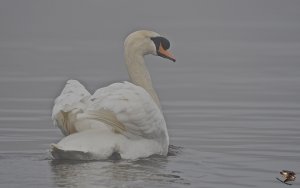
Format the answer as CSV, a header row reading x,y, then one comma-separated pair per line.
x,y
147,171
123,119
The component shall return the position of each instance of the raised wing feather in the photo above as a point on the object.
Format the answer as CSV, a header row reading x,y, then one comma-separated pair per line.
x,y
68,104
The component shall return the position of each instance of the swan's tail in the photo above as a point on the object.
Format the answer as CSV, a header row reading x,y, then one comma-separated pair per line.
x,y
59,153
68,104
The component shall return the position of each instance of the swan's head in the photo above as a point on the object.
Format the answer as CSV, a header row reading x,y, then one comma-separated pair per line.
x,y
148,42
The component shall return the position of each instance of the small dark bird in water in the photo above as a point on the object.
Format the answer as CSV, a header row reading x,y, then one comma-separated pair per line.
x,y
288,175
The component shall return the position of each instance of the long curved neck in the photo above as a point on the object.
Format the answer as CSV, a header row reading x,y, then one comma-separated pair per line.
x,y
139,74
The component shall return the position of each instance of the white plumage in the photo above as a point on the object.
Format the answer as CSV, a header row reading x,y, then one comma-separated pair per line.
x,y
121,118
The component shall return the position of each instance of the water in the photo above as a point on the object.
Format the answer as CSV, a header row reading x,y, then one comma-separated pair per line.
x,y
231,100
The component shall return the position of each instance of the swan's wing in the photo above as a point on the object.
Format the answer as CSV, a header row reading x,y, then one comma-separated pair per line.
x,y
71,101
129,110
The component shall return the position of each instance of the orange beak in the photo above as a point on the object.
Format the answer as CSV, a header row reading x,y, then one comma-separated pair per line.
x,y
165,53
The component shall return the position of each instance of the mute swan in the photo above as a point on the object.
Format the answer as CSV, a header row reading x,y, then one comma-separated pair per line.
x,y
122,119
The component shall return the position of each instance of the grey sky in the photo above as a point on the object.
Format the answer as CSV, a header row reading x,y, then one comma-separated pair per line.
x,y
76,39
101,19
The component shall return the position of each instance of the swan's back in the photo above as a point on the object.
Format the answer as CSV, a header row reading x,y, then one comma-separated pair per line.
x,y
132,106
124,119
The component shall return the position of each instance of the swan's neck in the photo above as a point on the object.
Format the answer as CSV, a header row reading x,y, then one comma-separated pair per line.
x,y
139,74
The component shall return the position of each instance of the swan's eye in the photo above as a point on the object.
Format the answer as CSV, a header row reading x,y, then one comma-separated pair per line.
x,y
161,41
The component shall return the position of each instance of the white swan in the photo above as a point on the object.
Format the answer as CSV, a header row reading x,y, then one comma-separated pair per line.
x,y
122,119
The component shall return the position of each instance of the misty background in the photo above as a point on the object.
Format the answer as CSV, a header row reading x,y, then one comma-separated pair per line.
x,y
231,100
42,41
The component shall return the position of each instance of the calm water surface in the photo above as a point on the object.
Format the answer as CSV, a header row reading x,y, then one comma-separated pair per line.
x,y
231,101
